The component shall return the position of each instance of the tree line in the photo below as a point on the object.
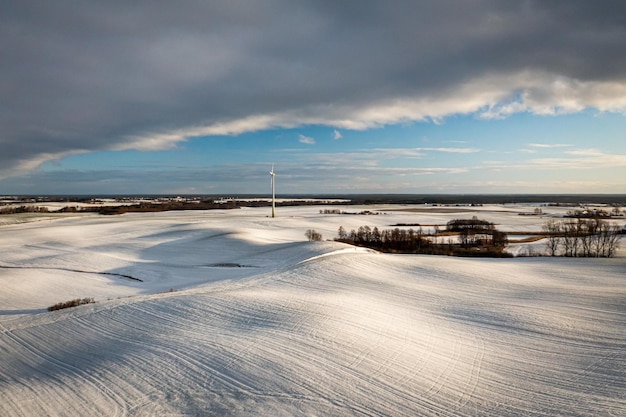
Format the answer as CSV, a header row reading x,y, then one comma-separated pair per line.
x,y
476,238
23,209
582,237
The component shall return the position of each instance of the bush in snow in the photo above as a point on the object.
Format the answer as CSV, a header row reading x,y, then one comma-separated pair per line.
x,y
71,303
313,235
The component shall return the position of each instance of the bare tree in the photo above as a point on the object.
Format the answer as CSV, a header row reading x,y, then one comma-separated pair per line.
x,y
589,238
616,210
376,235
570,237
552,228
313,235
609,239
499,238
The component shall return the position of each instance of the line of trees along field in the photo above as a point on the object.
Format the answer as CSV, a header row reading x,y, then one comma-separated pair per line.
x,y
570,237
23,209
582,238
476,238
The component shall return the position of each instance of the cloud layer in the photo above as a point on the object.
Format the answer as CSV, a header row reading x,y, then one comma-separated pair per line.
x,y
147,75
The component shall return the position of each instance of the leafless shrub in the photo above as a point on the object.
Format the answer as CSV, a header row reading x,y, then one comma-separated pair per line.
x,y
313,235
71,303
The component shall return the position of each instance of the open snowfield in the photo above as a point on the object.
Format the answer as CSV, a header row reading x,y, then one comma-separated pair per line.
x,y
263,323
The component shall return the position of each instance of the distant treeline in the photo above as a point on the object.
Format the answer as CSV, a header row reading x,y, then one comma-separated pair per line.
x,y
121,209
193,205
337,211
572,200
567,200
147,206
23,209
594,213
476,238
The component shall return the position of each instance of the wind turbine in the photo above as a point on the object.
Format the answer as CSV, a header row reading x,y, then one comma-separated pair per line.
x,y
272,174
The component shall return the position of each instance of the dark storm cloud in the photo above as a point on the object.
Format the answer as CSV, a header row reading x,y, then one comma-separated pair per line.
x,y
82,76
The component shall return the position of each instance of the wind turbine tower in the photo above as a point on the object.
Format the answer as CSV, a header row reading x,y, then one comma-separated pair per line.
x,y
272,174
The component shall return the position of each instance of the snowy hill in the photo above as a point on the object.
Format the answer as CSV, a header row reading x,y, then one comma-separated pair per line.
x,y
263,323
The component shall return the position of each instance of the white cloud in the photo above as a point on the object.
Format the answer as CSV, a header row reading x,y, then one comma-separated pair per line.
x,y
542,93
33,163
586,160
337,135
306,140
489,97
366,157
548,145
450,150
585,152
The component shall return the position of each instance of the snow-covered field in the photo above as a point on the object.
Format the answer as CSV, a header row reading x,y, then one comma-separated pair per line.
x,y
263,323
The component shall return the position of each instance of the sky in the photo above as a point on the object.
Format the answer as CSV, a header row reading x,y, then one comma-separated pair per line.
x,y
196,97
